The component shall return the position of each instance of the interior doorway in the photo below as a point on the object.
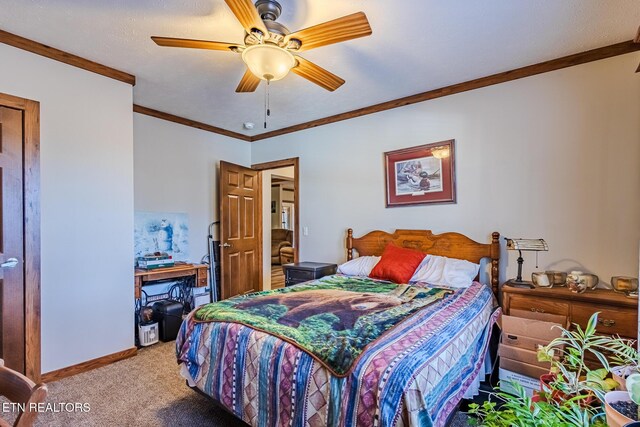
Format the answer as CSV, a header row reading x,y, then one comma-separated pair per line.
x,y
280,215
20,235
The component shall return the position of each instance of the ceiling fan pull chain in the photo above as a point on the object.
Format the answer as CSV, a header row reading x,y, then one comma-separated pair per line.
x,y
268,99
267,110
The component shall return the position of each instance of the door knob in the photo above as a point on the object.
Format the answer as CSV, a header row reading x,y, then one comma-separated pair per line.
x,y
10,263
225,245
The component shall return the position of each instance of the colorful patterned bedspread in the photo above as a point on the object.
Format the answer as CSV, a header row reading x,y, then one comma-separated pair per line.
x,y
414,375
333,320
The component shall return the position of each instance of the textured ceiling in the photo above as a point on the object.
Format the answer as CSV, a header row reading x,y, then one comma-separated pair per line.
x,y
417,45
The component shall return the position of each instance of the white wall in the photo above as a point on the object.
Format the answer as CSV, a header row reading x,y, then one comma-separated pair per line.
x,y
176,170
555,156
86,195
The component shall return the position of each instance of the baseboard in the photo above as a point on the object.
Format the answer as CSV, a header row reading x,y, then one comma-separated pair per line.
x,y
88,365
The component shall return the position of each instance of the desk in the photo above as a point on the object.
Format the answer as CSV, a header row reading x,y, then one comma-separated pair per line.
x,y
200,273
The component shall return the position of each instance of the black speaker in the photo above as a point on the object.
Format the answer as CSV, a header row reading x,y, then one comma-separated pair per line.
x,y
168,314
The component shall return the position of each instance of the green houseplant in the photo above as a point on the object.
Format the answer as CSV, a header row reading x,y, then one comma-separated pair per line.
x,y
623,407
575,389
520,410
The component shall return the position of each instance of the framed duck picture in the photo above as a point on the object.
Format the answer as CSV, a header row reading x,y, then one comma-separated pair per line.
x,y
421,175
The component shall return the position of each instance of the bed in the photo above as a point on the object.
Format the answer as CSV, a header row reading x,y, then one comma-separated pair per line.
x,y
414,374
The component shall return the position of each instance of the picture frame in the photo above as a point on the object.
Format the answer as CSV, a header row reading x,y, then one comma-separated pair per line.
x,y
424,174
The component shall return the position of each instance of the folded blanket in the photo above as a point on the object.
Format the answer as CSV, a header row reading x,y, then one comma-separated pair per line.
x,y
333,319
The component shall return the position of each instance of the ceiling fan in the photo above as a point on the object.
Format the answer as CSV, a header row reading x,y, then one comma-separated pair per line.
x,y
270,50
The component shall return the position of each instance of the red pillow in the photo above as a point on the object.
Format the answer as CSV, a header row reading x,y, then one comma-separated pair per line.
x,y
397,264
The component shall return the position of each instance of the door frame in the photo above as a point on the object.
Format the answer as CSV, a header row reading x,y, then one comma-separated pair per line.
x,y
276,164
31,200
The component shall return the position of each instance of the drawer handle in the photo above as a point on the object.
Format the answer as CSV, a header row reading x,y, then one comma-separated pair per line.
x,y
607,323
537,310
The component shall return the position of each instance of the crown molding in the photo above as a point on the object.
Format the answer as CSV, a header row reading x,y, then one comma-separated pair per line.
x,y
65,57
592,55
494,79
188,122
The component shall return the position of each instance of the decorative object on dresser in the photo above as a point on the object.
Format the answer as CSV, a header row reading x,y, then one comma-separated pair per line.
x,y
305,271
618,314
535,245
576,282
542,279
559,277
422,174
627,285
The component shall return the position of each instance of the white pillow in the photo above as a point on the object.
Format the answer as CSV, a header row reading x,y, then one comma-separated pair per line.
x,y
360,266
442,271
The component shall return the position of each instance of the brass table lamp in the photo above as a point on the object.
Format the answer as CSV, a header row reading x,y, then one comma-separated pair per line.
x,y
534,245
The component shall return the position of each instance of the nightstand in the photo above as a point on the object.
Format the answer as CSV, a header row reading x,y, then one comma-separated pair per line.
x,y
618,314
305,271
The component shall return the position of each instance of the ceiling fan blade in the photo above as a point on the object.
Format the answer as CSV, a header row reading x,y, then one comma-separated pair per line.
x,y
193,44
248,83
339,30
637,39
317,74
247,14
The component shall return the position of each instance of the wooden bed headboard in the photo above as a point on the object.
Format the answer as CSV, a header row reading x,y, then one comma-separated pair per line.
x,y
452,245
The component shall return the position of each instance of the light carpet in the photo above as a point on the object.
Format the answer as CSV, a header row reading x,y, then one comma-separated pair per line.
x,y
145,390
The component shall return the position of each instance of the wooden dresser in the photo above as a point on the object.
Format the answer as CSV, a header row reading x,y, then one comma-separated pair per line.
x,y
618,314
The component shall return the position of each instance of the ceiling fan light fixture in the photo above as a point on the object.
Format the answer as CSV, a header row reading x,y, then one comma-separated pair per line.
x,y
268,62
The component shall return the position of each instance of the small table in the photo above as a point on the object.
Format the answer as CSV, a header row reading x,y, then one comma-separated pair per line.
x,y
305,271
180,271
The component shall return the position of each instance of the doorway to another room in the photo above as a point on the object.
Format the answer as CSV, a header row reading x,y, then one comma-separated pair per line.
x,y
280,214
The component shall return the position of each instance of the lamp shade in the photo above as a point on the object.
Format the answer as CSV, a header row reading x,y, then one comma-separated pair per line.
x,y
268,62
527,245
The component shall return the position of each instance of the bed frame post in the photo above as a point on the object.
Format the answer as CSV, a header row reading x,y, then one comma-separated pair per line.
x,y
495,257
349,244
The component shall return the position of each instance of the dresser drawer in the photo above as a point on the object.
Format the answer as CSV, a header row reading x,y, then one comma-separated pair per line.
x,y
611,320
522,302
202,278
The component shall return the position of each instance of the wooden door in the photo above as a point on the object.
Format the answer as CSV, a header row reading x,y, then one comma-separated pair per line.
x,y
12,285
240,230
